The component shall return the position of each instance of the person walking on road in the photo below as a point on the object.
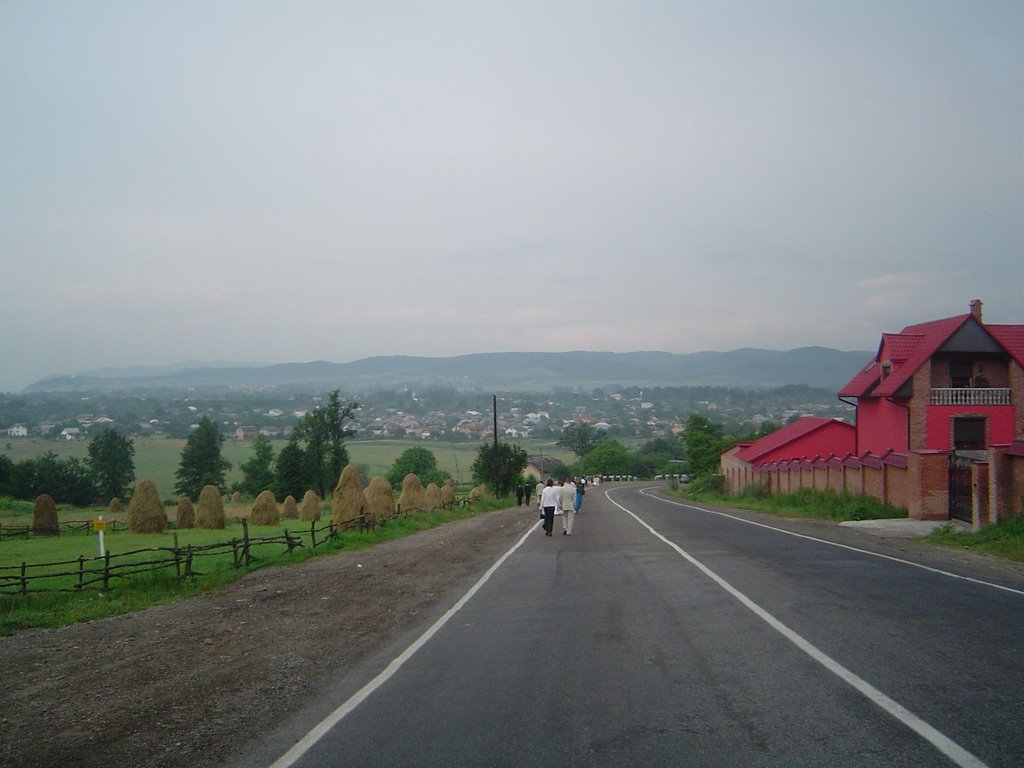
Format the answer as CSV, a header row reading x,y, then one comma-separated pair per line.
x,y
581,488
520,492
567,501
548,505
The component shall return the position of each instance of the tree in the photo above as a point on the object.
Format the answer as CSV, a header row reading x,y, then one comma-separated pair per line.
x,y
500,467
293,475
201,461
580,438
324,433
704,442
418,461
258,470
66,480
609,457
111,464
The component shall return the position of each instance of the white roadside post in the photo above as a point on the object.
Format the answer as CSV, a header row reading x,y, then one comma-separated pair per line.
x,y
98,525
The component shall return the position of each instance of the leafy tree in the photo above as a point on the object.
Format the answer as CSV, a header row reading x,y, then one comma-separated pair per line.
x,y
6,476
580,438
111,463
324,433
704,442
502,467
201,461
609,457
258,470
65,480
293,474
420,462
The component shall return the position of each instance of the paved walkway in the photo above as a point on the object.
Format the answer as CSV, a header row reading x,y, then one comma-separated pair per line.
x,y
903,528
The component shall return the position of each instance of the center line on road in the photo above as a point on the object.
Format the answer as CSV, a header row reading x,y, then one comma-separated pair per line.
x,y
942,743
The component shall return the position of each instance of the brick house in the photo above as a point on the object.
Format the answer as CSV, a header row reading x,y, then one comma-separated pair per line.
x,y
940,413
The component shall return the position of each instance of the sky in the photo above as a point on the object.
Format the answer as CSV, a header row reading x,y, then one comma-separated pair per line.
x,y
203,180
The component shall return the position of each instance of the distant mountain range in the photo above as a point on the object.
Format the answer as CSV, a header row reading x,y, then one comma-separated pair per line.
x,y
493,371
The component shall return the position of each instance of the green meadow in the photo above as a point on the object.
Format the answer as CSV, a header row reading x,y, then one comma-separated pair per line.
x,y
157,458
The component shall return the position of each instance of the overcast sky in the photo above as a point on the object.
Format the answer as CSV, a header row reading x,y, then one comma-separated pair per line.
x,y
294,181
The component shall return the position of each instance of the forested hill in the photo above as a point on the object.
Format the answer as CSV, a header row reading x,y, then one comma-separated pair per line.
x,y
497,371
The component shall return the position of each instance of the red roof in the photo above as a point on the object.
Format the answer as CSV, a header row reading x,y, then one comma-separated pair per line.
x,y
787,434
912,347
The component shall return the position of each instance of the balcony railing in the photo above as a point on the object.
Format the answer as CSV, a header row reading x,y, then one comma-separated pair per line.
x,y
971,396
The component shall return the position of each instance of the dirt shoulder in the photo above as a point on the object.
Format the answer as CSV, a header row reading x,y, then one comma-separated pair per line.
x,y
184,684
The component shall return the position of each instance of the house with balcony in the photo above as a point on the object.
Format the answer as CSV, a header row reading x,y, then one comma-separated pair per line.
x,y
939,426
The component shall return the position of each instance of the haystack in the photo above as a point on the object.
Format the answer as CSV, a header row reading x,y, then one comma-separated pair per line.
x,y
380,500
432,496
289,509
478,493
236,497
115,506
146,513
185,517
448,493
265,510
348,502
412,493
44,516
210,509
310,509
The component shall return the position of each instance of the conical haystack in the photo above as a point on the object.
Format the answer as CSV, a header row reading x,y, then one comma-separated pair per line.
x,y
265,510
412,493
348,502
210,509
236,497
115,506
432,496
448,494
44,516
380,500
310,508
185,517
478,493
146,513
289,509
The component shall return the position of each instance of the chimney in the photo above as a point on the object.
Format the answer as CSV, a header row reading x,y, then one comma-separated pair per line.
x,y
976,309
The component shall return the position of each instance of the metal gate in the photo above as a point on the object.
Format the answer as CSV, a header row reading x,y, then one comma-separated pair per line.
x,y
960,487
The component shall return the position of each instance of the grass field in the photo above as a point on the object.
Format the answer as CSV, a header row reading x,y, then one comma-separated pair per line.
x,y
157,458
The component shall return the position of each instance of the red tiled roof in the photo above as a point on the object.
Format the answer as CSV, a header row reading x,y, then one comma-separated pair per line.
x,y
780,437
1011,337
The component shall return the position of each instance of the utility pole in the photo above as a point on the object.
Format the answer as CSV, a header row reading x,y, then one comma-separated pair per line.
x,y
497,464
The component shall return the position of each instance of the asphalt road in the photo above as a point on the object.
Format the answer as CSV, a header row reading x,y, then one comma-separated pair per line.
x,y
665,635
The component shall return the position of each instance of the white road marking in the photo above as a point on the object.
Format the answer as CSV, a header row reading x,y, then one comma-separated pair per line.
x,y
835,544
942,743
303,745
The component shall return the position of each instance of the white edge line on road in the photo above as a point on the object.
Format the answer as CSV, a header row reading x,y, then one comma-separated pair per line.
x,y
943,744
303,745
836,544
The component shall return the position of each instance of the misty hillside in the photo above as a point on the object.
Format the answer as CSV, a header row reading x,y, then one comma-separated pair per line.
x,y
498,371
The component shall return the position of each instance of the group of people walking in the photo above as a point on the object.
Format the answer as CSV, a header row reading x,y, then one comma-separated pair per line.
x,y
563,500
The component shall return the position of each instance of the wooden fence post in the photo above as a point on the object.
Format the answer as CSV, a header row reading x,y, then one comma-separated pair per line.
x,y
188,562
81,572
24,580
246,556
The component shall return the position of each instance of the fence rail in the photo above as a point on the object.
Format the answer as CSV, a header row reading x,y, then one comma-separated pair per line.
x,y
91,572
8,531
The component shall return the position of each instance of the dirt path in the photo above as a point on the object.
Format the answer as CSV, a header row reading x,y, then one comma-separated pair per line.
x,y
177,685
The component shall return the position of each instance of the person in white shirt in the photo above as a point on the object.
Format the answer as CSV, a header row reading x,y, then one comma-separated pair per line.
x,y
549,504
567,501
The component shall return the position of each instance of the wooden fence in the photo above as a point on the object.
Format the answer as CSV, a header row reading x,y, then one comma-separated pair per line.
x,y
100,572
69,526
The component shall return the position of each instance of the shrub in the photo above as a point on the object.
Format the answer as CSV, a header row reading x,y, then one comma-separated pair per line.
x,y
310,506
185,517
146,513
380,499
412,493
210,510
348,502
265,510
44,516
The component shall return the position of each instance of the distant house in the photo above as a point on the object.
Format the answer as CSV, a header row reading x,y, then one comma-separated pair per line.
x,y
71,433
18,430
540,468
245,432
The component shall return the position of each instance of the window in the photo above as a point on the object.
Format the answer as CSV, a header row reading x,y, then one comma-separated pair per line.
x,y
969,434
